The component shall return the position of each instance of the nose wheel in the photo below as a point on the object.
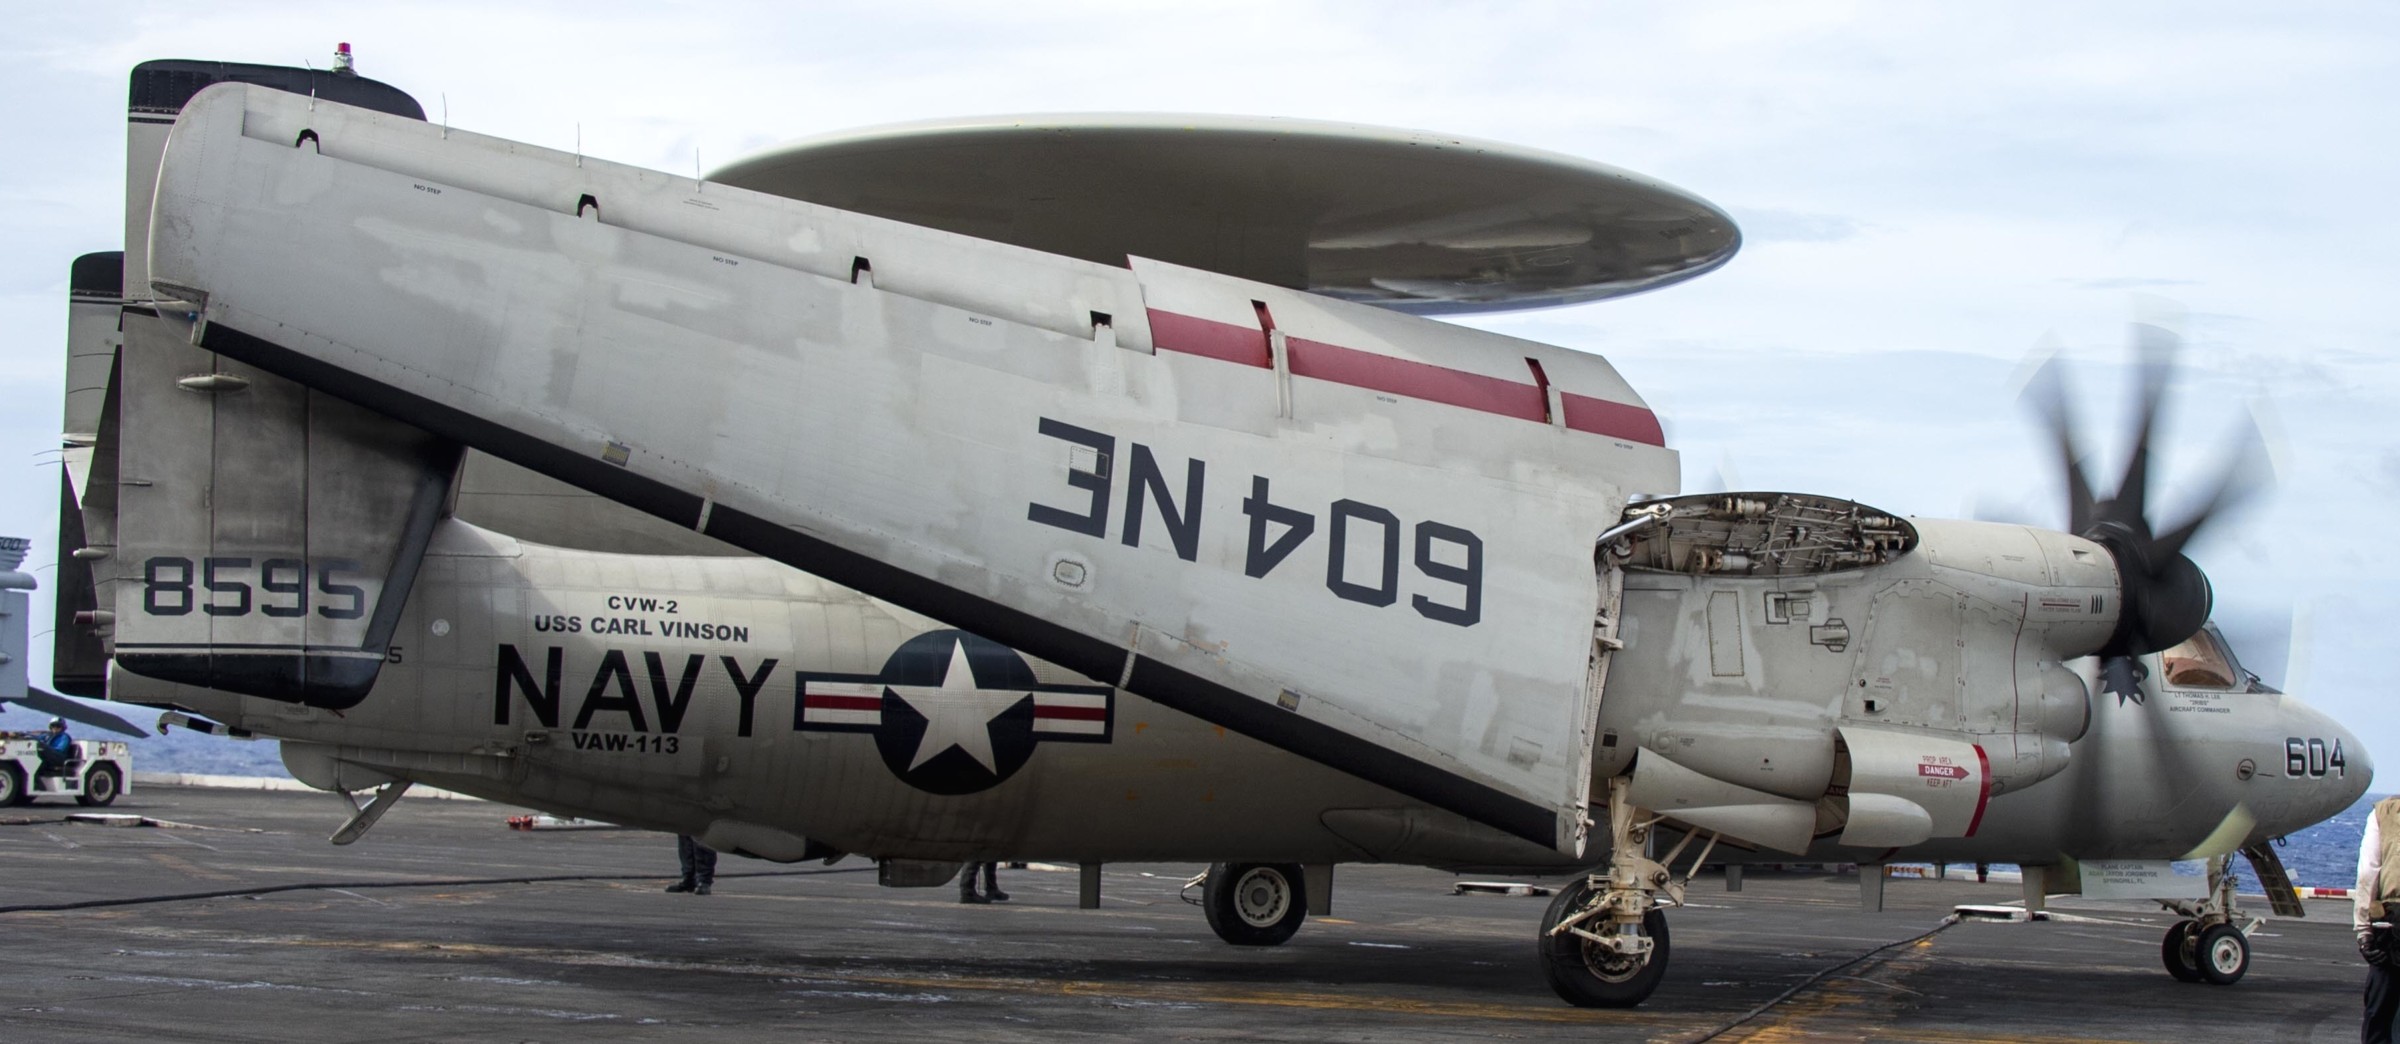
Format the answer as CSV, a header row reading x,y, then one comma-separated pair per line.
x,y
2212,943
2179,951
2224,954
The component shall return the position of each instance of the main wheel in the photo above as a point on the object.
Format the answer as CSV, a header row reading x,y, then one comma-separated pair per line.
x,y
2224,954
1254,904
2176,951
12,787
1589,975
100,786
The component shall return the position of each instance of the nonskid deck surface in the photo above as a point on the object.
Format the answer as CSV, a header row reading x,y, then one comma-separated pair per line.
x,y
828,955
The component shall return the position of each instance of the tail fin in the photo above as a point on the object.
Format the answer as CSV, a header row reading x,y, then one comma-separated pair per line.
x,y
87,485
263,537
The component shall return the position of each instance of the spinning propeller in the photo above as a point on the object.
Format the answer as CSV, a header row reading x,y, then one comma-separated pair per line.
x,y
2165,598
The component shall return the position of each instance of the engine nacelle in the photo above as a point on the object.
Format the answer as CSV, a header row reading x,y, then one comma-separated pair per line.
x,y
1759,626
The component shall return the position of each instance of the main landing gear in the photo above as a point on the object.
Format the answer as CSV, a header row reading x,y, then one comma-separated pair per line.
x,y
1254,904
2211,944
1604,939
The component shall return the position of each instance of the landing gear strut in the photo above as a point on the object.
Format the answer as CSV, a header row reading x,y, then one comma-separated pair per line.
x,y
1604,939
2211,944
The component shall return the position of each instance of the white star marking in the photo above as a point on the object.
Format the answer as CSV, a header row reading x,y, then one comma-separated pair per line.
x,y
957,714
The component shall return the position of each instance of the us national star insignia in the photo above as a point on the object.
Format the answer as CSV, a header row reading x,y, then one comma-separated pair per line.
x,y
952,713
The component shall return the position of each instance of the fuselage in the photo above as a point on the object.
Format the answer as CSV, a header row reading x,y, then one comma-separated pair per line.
x,y
740,699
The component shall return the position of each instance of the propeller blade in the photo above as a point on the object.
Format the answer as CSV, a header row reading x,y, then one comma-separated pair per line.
x,y
2228,835
2164,596
2155,348
1725,479
2046,393
2248,471
59,706
2261,640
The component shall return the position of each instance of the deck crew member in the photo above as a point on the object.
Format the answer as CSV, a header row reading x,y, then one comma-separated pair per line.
x,y
2375,905
699,865
57,748
991,884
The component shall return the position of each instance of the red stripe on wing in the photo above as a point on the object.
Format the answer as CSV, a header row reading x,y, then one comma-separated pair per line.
x,y
1318,360
1613,419
1071,713
1332,362
1193,335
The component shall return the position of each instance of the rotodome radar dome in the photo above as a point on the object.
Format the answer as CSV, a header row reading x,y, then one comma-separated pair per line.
x,y
1411,220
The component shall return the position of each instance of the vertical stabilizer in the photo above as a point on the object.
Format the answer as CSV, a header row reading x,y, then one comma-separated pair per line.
x,y
266,535
87,483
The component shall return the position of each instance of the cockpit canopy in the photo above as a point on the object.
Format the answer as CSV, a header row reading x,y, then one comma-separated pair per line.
x,y
2206,662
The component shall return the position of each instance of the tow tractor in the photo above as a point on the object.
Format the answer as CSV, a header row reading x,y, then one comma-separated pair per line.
x,y
99,772
99,769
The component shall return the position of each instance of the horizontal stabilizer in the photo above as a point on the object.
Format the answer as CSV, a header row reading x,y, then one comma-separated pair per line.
x,y
275,559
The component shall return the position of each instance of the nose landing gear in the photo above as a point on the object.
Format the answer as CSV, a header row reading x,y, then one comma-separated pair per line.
x,y
1603,941
2211,944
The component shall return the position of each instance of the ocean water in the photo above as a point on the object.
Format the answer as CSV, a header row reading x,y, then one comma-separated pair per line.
x,y
2322,856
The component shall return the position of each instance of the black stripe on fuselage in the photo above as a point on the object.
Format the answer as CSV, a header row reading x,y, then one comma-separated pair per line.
x,y
333,682
1082,653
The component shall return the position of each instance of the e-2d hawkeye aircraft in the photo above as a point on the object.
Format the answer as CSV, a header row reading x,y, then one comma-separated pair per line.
x,y
814,509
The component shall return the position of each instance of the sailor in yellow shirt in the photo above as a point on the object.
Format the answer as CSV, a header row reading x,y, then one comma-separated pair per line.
x,y
2378,942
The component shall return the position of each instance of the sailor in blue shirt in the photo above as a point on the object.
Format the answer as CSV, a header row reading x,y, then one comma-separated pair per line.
x,y
57,748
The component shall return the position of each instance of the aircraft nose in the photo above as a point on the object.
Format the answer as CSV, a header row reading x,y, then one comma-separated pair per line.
x,y
2362,766
2324,762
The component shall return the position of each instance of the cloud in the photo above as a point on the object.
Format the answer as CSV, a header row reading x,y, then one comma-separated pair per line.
x,y
1766,226
2387,470
2127,283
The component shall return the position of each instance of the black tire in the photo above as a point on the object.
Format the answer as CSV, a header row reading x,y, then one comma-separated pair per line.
x,y
2177,950
12,788
101,786
1588,976
1255,904
2223,955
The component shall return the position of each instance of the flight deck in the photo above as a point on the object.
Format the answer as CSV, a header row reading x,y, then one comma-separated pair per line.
x,y
445,924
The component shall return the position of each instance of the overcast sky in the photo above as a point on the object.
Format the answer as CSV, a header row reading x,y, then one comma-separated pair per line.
x,y
1926,191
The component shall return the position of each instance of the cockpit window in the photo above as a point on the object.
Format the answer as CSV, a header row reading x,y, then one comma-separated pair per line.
x,y
2199,663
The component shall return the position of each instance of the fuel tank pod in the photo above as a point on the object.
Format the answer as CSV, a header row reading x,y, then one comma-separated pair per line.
x,y
1708,803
